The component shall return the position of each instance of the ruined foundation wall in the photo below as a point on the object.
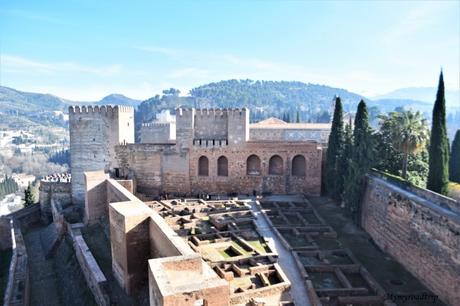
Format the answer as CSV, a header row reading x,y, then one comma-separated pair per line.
x,y
420,234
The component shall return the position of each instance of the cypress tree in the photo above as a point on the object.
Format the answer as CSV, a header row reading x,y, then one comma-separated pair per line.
x,y
438,175
360,163
454,162
345,157
297,117
334,184
28,196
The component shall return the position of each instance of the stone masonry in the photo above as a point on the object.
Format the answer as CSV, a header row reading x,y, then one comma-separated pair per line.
x,y
417,232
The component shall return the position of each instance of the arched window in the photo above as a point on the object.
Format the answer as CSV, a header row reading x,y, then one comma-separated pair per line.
x,y
298,165
253,165
222,166
275,165
203,166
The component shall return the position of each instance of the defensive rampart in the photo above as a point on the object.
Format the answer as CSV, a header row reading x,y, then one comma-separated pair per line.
x,y
419,229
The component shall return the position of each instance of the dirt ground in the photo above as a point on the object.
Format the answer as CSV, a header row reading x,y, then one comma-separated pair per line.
x,y
392,276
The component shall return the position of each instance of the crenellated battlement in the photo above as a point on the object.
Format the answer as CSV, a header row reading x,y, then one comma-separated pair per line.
x,y
210,143
156,124
181,111
103,109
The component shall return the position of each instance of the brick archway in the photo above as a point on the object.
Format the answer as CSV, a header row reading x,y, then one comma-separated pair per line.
x,y
298,166
275,165
222,166
203,166
253,166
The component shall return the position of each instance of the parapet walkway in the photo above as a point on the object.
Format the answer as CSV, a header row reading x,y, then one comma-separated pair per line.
x,y
43,286
285,260
57,280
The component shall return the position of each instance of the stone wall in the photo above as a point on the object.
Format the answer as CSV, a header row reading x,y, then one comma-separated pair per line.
x,y
185,280
238,179
418,232
155,168
59,192
27,217
158,168
211,124
17,291
96,204
94,277
5,233
320,135
158,132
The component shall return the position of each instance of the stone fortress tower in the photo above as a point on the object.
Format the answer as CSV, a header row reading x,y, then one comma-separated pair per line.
x,y
94,133
212,127
213,151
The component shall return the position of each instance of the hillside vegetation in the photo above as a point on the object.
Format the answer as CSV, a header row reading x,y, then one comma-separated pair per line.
x,y
264,98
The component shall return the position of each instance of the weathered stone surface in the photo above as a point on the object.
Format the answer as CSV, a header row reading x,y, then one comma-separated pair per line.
x,y
94,277
420,234
5,234
158,132
50,239
59,192
185,280
94,132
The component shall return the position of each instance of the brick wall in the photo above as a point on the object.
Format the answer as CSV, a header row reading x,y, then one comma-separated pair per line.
x,y
239,181
418,233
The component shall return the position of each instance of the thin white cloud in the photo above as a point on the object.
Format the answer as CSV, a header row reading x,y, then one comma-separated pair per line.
x,y
189,72
165,51
35,16
205,57
422,16
17,64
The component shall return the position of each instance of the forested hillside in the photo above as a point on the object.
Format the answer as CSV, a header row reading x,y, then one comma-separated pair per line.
x,y
264,98
27,110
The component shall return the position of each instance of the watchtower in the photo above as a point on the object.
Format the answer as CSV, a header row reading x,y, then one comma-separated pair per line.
x,y
94,133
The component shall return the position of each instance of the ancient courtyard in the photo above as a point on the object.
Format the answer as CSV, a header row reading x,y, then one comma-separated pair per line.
x,y
212,210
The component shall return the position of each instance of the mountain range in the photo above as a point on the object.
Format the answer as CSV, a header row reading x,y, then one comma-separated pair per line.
x,y
264,98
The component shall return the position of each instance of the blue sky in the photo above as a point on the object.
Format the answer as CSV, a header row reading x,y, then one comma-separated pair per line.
x,y
84,50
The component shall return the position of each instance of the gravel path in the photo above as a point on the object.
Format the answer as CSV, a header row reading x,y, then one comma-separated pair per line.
x,y
286,259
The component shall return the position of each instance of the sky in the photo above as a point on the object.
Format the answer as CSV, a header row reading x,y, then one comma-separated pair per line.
x,y
85,50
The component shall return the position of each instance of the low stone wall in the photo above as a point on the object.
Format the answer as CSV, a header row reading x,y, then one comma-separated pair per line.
x,y
421,233
26,217
17,290
100,191
59,192
5,234
443,201
94,277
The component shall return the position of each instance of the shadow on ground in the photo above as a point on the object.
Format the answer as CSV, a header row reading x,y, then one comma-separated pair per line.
x,y
96,238
392,276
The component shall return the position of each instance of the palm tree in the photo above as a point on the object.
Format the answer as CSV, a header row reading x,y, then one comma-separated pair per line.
x,y
408,133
